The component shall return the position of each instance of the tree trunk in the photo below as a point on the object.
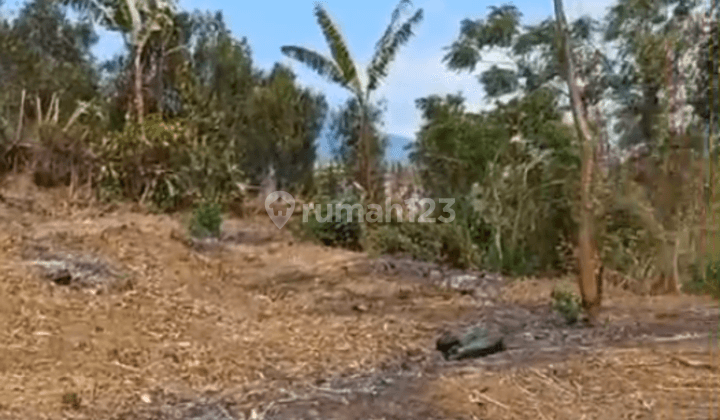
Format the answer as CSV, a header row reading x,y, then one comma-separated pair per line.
x,y
138,45
139,102
589,285
366,156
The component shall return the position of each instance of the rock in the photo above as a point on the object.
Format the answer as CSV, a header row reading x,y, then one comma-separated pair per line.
x,y
360,308
478,342
446,343
63,277
463,283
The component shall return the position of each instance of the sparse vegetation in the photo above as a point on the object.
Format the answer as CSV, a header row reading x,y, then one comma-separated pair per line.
x,y
206,220
707,282
183,117
566,303
593,146
72,400
336,228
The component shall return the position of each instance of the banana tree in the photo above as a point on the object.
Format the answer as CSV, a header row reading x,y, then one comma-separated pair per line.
x,y
137,20
341,69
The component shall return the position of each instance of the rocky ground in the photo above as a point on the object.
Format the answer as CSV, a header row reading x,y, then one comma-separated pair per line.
x,y
111,313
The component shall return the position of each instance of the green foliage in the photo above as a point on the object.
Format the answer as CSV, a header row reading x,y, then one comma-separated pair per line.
x,y
457,243
499,81
45,54
291,119
453,147
176,165
72,400
442,243
395,36
267,120
707,282
336,228
215,120
631,237
498,30
342,69
206,220
513,171
345,133
566,303
532,51
338,48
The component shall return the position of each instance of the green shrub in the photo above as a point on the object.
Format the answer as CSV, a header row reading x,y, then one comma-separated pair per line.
x,y
206,220
709,284
442,243
566,303
338,231
178,164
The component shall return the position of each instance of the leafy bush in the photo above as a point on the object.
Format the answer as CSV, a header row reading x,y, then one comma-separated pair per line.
x,y
206,220
632,237
566,303
519,167
338,231
442,243
709,284
178,164
58,155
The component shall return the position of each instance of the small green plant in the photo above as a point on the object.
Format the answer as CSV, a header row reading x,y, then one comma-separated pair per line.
x,y
206,220
566,303
72,400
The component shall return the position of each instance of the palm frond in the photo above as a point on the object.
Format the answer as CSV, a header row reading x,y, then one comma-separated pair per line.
x,y
387,36
338,48
322,65
386,54
462,55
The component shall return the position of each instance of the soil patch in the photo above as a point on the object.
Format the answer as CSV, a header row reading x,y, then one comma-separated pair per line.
x,y
277,329
77,270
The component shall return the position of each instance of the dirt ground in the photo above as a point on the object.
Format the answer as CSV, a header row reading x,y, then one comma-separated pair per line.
x,y
261,326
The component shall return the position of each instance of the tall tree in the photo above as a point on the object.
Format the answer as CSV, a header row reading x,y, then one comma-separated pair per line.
x,y
340,68
47,55
663,94
590,286
284,123
538,56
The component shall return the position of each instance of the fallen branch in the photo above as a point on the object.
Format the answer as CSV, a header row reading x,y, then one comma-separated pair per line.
x,y
476,396
694,364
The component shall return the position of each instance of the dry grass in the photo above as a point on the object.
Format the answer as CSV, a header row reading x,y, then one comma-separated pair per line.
x,y
277,313
678,383
250,320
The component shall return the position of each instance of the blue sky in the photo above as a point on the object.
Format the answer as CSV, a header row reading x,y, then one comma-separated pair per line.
x,y
418,70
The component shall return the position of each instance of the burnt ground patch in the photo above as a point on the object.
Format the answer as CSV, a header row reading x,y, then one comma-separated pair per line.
x,y
397,390
532,335
77,269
